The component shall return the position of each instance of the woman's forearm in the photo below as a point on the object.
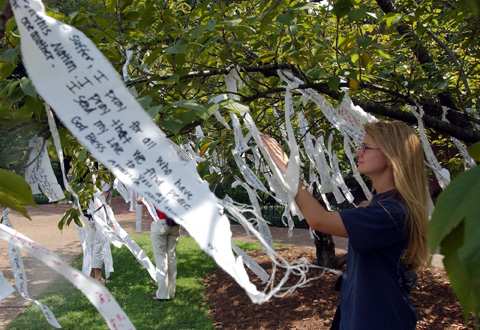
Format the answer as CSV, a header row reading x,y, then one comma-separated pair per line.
x,y
317,217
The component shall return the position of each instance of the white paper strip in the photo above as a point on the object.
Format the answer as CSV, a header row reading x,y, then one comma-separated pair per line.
x,y
20,276
98,295
316,156
277,182
40,173
463,151
346,119
230,82
442,174
262,225
338,179
252,264
136,250
128,58
91,100
6,288
120,188
356,174
250,177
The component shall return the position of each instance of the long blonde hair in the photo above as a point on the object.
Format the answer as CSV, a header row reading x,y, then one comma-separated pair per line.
x,y
401,146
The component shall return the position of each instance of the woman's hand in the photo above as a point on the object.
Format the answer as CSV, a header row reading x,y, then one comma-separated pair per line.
x,y
276,151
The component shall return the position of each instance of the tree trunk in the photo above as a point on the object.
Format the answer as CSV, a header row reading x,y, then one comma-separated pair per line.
x,y
325,249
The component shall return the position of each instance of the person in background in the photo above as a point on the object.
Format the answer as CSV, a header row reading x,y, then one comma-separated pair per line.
x,y
164,235
387,238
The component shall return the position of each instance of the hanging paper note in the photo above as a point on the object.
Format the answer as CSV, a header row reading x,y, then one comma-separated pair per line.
x,y
40,173
18,269
89,97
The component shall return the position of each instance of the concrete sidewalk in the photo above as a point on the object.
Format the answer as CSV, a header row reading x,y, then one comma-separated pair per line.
x,y
43,229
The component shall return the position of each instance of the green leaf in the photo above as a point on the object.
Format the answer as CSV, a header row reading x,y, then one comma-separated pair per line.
x,y
315,72
234,105
68,216
210,26
233,22
286,18
474,151
15,192
27,87
6,69
35,106
175,78
334,82
345,59
10,55
153,111
392,18
455,226
190,104
197,32
302,6
154,55
180,47
110,5
466,288
148,18
179,120
8,201
364,41
82,155
342,8
457,203
357,14
383,54
145,101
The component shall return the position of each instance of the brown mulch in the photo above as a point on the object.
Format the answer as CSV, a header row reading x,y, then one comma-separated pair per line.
x,y
313,307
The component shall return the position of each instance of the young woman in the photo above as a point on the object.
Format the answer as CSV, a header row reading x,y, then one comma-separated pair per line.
x,y
387,238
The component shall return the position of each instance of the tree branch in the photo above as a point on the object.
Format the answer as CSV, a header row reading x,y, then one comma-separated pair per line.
x,y
468,136
426,60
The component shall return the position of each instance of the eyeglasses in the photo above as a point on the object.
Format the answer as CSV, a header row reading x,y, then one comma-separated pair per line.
x,y
364,148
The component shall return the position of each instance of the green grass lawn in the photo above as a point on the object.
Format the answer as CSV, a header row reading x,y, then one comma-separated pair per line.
x,y
130,285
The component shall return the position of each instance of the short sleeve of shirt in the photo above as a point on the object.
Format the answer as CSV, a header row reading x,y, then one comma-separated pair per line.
x,y
376,226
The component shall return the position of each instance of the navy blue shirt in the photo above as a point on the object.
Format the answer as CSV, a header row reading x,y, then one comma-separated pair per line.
x,y
373,294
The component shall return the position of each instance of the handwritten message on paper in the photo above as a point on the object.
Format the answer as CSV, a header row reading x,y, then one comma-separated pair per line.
x,y
18,269
89,97
40,173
